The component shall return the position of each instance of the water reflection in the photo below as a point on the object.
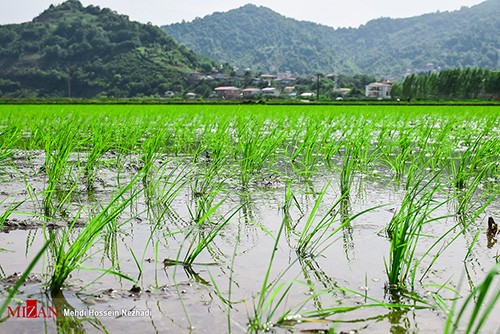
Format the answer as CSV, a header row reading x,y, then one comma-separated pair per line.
x,y
71,322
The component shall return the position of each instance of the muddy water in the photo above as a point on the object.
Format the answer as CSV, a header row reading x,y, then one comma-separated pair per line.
x,y
349,272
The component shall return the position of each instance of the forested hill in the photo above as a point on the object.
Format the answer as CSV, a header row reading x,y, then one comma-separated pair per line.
x,y
261,39
87,51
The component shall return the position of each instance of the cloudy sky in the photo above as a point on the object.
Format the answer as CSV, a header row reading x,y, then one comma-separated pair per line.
x,y
334,13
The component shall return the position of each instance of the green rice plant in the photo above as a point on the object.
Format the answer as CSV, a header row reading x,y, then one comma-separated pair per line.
x,y
459,229
70,255
272,293
481,302
161,190
60,184
99,143
217,141
347,172
290,199
257,151
363,150
208,185
201,235
465,198
311,230
315,236
150,151
8,139
405,227
306,153
9,210
227,303
397,157
462,167
294,315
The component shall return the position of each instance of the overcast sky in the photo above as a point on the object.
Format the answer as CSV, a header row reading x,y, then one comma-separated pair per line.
x,y
334,13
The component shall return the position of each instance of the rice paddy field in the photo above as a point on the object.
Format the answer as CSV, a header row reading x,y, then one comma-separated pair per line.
x,y
249,219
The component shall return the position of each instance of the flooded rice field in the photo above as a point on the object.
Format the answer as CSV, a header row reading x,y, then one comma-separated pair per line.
x,y
249,219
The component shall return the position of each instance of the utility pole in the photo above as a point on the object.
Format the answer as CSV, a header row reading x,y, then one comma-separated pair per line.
x,y
317,86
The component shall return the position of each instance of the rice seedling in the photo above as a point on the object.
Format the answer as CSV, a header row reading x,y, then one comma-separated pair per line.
x,y
8,140
59,184
208,185
400,153
257,150
290,199
482,300
405,227
307,149
200,240
347,173
227,303
164,186
462,167
313,239
466,203
150,151
294,315
99,143
271,295
69,256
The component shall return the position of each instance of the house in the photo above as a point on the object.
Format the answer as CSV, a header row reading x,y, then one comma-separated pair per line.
x,y
250,92
379,90
271,91
190,96
288,89
268,77
227,92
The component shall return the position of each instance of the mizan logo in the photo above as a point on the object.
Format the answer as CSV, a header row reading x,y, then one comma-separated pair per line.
x,y
31,310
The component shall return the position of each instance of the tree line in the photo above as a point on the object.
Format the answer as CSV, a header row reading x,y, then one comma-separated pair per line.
x,y
453,84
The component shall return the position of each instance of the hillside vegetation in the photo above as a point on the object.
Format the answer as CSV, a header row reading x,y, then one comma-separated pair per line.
x,y
264,40
77,51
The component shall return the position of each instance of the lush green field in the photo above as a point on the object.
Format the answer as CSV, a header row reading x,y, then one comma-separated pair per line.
x,y
242,218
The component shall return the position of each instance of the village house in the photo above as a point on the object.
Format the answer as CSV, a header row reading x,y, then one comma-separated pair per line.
x,y
268,77
250,92
270,91
227,92
379,90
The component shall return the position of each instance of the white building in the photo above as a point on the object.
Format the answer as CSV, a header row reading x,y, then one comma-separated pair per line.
x,y
379,90
271,91
251,91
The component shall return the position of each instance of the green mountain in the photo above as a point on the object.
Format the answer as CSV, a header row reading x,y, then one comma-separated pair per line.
x,y
264,40
87,51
